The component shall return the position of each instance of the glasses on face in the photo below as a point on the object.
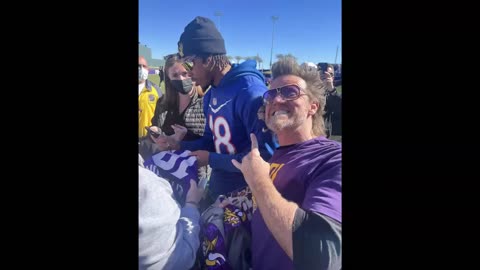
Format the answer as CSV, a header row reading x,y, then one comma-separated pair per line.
x,y
187,65
142,66
188,60
287,92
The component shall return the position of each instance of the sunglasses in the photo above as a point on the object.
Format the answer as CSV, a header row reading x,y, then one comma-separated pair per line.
x,y
287,92
189,58
187,65
186,62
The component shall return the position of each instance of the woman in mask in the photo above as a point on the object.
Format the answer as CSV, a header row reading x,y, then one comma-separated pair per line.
x,y
182,104
179,111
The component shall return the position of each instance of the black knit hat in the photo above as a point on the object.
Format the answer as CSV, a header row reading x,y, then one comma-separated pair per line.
x,y
201,37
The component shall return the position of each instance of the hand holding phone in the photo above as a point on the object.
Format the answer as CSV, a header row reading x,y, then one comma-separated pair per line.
x,y
328,81
155,134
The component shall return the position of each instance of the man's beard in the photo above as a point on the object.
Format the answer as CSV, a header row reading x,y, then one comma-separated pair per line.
x,y
290,123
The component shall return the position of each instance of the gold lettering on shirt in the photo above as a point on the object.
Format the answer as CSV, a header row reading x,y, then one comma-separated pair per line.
x,y
274,168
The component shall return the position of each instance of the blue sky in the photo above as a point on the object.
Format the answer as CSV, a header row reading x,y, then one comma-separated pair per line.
x,y
308,29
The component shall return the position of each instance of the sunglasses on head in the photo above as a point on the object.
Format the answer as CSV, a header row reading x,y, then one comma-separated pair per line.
x,y
187,63
287,92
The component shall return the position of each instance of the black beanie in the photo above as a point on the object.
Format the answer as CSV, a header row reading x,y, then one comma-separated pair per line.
x,y
201,37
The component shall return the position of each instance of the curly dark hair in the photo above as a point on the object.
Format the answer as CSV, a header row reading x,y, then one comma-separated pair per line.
x,y
218,61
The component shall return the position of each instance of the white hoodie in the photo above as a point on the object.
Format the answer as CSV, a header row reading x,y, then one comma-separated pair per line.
x,y
168,236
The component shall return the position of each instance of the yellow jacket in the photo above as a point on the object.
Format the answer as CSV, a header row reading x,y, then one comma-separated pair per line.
x,y
147,100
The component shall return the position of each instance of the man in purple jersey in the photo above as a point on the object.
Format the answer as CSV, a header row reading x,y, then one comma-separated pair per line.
x,y
297,224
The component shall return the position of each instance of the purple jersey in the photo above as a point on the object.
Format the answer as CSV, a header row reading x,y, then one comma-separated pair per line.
x,y
308,174
226,232
177,167
214,248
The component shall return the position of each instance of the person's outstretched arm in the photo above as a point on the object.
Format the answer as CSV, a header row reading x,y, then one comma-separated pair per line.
x,y
311,240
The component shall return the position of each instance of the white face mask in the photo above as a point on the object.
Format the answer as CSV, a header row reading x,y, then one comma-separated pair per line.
x,y
142,74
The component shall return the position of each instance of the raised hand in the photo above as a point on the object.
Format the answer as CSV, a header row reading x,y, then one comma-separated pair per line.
x,y
328,81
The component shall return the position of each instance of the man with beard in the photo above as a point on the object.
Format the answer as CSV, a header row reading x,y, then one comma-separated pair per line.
x,y
297,222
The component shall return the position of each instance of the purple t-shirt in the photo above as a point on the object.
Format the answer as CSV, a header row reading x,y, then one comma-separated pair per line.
x,y
309,174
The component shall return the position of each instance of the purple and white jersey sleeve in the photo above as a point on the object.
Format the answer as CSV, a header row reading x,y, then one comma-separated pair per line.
x,y
177,167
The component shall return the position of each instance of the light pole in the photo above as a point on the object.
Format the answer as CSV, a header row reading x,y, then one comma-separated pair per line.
x,y
218,14
336,55
274,18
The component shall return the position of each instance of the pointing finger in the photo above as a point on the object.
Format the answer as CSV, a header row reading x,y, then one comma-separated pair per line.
x,y
254,141
237,164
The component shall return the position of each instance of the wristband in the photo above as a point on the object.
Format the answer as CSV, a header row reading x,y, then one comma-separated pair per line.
x,y
194,203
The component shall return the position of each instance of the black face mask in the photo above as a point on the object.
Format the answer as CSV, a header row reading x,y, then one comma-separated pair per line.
x,y
183,86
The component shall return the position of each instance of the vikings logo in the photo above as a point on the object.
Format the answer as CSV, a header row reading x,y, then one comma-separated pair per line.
x,y
234,217
214,259
241,199
208,246
180,49
213,247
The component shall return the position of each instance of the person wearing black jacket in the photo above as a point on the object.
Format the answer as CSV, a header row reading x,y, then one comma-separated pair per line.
x,y
182,103
161,74
179,111
333,107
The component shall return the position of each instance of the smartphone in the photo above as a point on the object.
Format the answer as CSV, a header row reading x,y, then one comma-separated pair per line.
x,y
323,76
151,132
